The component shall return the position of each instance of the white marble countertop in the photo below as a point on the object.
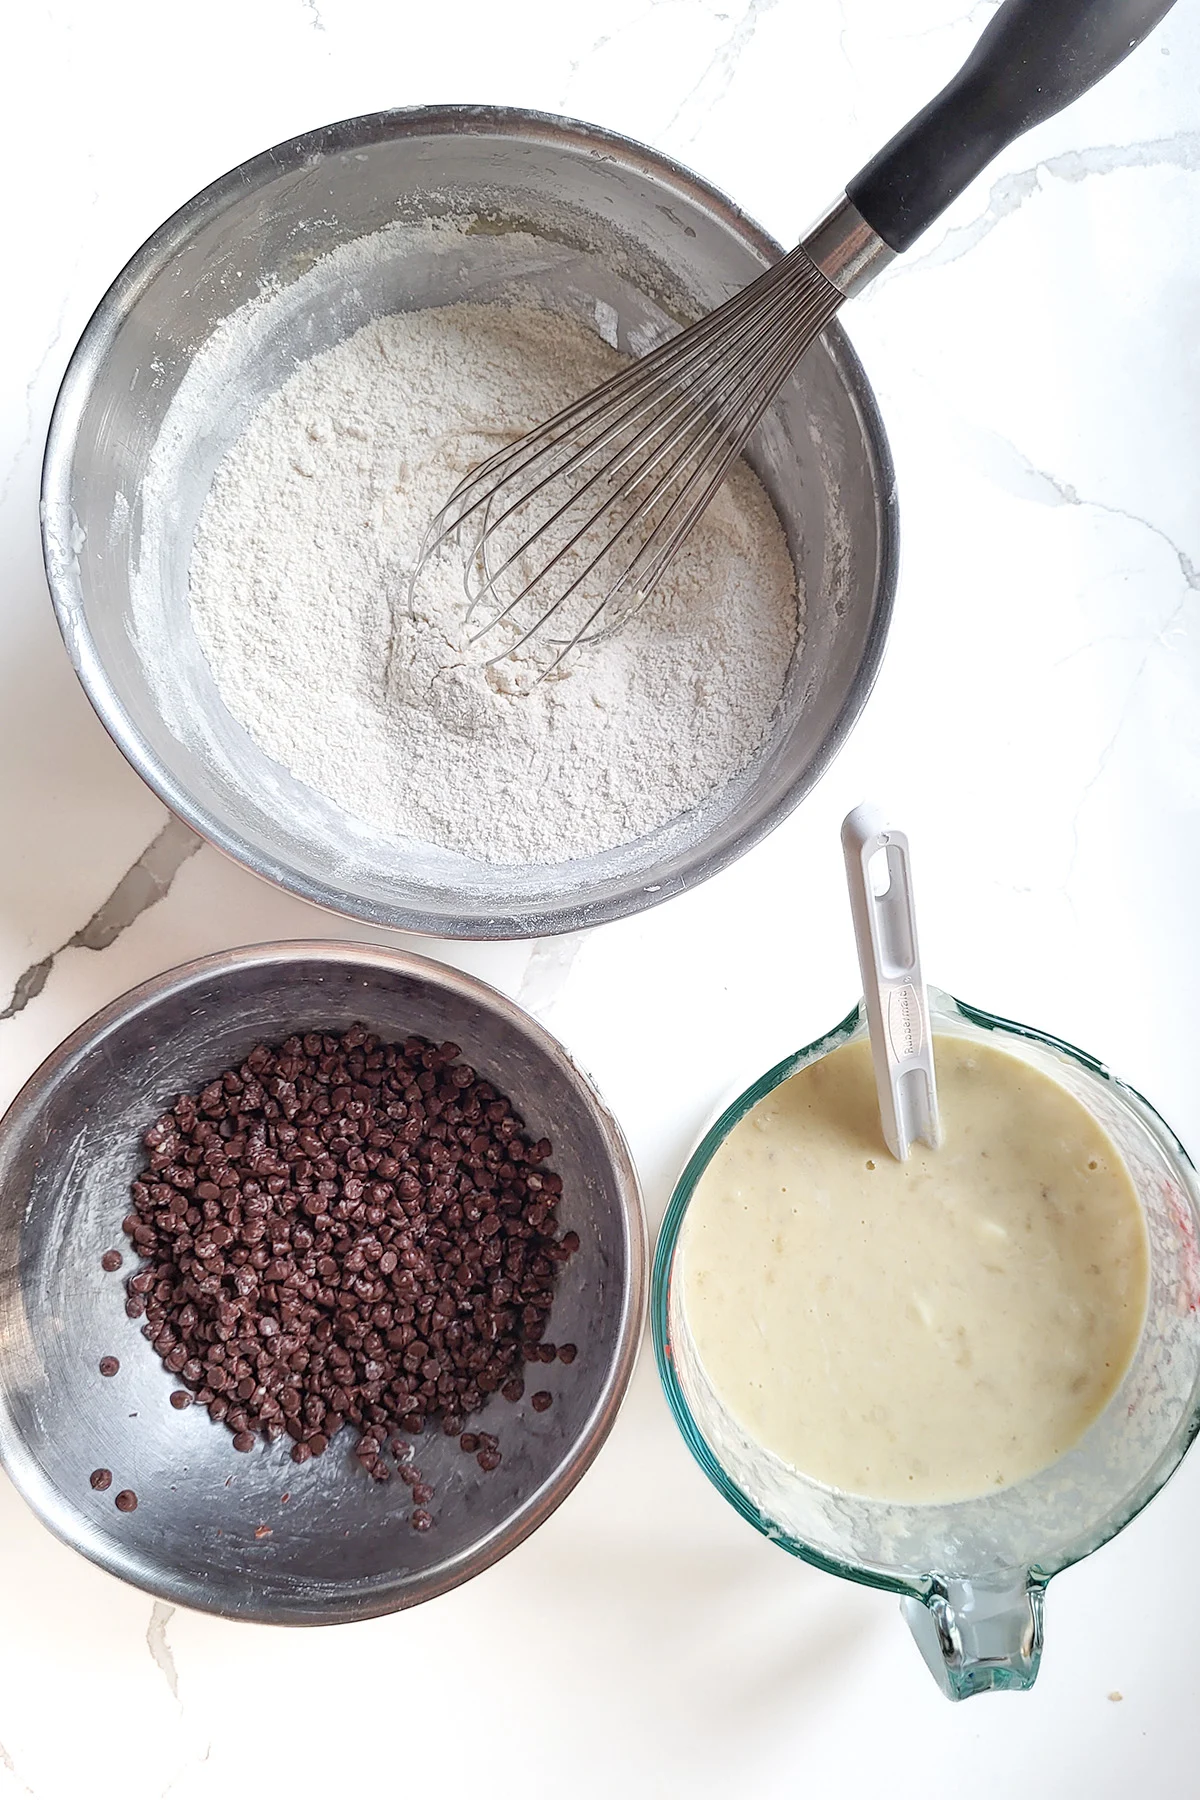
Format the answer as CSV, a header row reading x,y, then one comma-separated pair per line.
x,y
1035,728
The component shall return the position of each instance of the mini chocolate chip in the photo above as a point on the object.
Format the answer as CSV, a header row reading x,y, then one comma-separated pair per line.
x,y
101,1479
541,1400
180,1398
340,1230
126,1501
111,1260
109,1365
421,1520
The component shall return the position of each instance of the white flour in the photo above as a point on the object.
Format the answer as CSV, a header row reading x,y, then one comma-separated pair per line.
x,y
299,592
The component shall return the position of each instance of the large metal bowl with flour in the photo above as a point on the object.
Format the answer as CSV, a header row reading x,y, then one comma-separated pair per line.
x,y
618,233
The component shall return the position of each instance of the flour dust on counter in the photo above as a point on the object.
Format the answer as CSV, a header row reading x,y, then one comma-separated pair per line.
x,y
925,1331
299,589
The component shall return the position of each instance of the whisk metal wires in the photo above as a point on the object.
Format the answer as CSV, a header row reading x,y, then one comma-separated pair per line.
x,y
567,531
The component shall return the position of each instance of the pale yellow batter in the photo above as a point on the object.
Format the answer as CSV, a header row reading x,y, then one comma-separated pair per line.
x,y
919,1331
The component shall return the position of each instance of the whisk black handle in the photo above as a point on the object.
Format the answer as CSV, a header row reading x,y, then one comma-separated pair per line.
x,y
1035,57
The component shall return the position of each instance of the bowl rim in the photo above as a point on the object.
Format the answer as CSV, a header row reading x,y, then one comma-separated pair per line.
x,y
375,1601
61,562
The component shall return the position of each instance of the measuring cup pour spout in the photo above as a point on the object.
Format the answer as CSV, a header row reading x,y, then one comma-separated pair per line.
x,y
980,1636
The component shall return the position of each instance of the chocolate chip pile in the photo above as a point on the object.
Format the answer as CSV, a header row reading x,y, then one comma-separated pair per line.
x,y
343,1231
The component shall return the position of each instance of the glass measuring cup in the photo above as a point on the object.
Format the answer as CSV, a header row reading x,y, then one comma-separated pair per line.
x,y
972,1574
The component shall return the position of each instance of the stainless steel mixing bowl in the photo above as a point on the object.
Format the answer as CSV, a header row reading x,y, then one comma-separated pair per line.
x,y
341,1547
564,214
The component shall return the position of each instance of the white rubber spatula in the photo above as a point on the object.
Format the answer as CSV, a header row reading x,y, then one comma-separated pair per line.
x,y
885,928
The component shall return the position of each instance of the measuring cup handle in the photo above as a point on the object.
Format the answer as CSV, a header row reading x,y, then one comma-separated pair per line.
x,y
980,1636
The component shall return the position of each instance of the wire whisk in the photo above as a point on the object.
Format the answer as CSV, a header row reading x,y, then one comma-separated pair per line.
x,y
566,532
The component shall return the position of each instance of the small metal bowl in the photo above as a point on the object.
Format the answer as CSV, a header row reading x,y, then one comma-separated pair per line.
x,y
341,1546
563,214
